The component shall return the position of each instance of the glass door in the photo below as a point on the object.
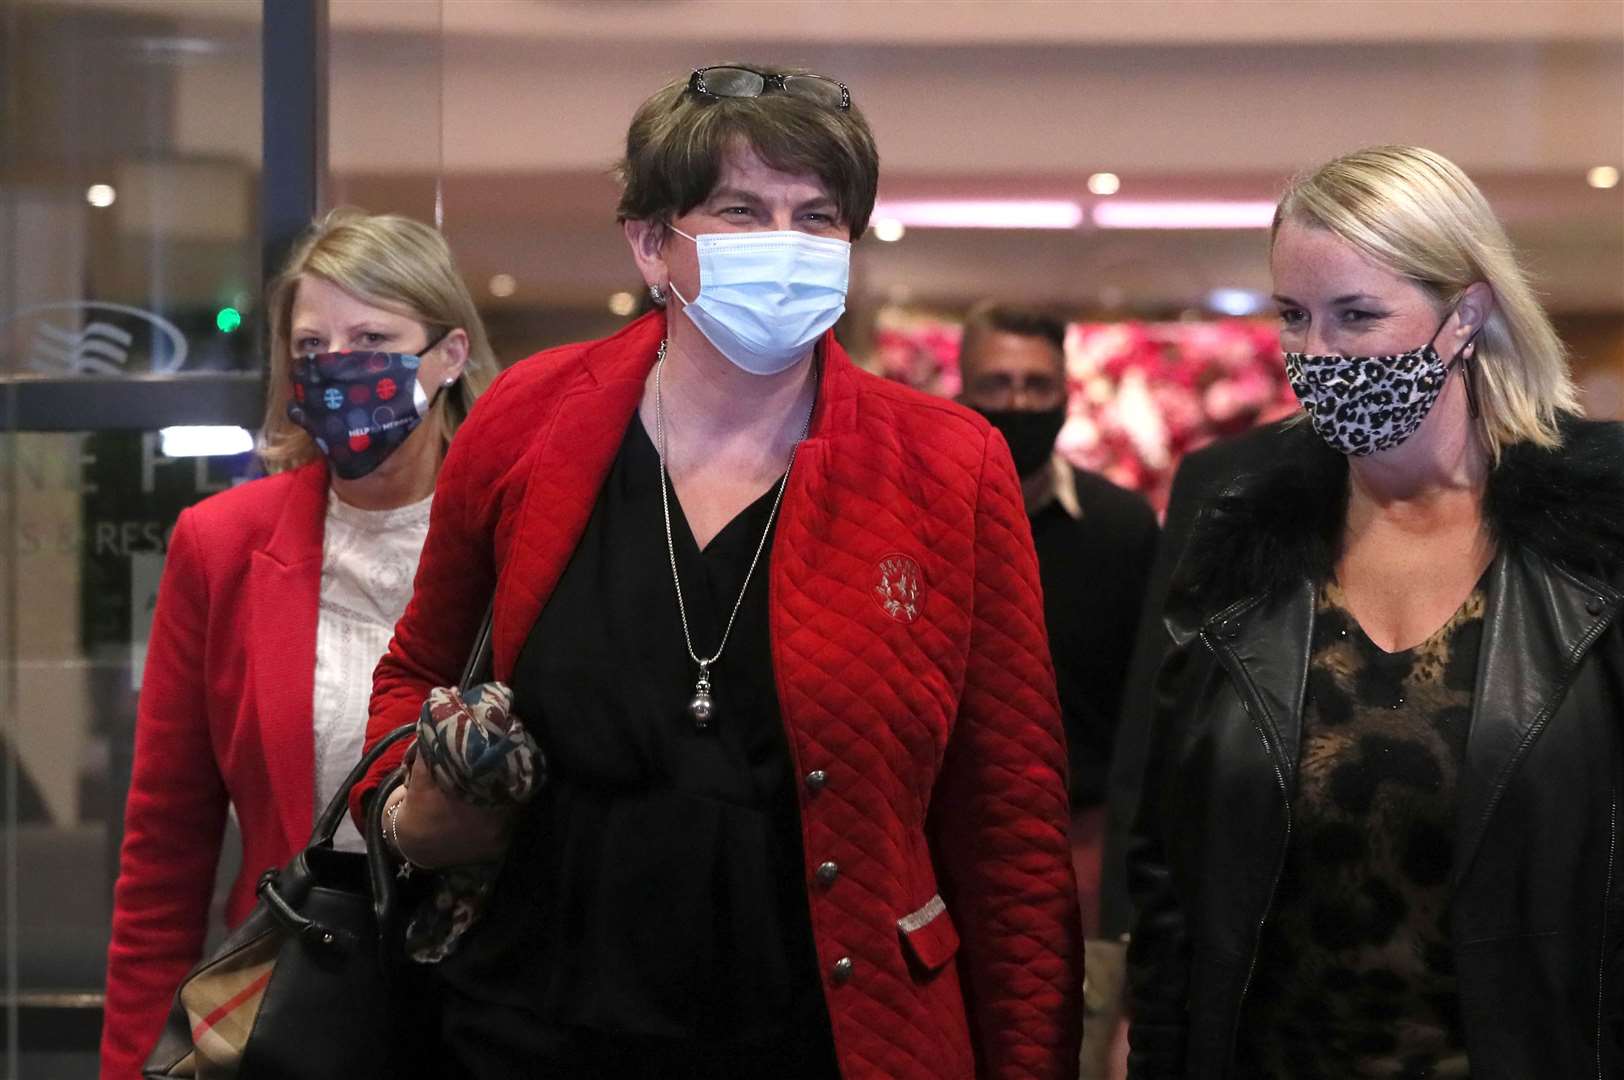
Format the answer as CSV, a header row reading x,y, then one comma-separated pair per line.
x,y
130,271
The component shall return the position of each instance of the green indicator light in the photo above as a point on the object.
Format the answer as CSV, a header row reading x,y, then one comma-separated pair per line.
x,y
228,319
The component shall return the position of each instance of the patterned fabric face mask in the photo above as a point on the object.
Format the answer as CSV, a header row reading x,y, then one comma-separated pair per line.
x,y
358,406
1366,404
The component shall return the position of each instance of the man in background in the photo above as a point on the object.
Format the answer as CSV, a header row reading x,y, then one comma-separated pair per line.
x,y
1095,543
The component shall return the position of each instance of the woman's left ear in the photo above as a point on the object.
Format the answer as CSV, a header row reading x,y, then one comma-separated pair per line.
x,y
456,355
1475,307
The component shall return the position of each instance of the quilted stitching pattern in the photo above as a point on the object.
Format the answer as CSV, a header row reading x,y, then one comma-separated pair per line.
x,y
960,696
940,738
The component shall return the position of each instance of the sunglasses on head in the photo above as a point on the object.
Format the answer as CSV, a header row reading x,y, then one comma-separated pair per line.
x,y
737,82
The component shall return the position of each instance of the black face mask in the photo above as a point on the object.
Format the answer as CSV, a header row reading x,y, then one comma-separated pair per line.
x,y
1030,433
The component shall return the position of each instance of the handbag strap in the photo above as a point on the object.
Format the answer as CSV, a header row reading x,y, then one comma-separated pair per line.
x,y
327,824
380,874
477,669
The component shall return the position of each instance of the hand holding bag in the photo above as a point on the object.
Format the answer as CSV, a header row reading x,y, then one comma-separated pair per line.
x,y
477,751
312,984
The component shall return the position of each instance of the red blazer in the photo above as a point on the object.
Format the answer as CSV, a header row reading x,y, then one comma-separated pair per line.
x,y
913,675
225,715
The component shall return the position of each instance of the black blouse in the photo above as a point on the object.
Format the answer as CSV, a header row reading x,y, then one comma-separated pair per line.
x,y
652,918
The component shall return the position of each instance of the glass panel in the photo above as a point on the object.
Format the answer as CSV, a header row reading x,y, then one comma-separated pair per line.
x,y
88,515
131,188
129,277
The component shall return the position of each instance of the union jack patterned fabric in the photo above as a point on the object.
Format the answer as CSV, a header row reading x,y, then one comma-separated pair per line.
x,y
477,750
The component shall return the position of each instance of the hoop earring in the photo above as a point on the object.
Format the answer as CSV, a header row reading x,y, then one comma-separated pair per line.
x,y
656,294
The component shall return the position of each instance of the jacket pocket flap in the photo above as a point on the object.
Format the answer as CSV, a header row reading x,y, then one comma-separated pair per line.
x,y
929,935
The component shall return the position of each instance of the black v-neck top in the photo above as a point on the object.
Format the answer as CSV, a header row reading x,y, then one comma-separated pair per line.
x,y
653,914
1355,974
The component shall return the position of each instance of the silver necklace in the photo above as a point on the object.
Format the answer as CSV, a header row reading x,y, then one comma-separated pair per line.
x,y
702,707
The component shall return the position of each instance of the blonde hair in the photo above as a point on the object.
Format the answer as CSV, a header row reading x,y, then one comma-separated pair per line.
x,y
389,261
1417,214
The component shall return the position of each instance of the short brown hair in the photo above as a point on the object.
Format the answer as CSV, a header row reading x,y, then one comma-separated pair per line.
x,y
391,262
991,316
678,141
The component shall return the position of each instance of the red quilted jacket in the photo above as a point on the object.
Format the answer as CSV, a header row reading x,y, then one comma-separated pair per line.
x,y
913,675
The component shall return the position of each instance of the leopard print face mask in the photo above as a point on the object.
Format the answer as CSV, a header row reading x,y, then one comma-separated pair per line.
x,y
1365,404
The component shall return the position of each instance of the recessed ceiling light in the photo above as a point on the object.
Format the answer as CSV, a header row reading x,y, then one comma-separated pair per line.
x,y
889,229
504,285
1104,183
1602,176
1235,301
100,196
622,303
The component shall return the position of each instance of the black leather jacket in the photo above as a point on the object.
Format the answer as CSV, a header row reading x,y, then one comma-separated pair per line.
x,y
1538,913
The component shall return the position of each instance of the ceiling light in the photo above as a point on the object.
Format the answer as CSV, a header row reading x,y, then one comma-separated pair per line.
x,y
100,196
889,229
1104,183
1183,215
504,285
982,213
1235,301
204,441
1602,176
622,303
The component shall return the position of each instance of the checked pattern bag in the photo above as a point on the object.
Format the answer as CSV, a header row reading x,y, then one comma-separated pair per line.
x,y
222,1002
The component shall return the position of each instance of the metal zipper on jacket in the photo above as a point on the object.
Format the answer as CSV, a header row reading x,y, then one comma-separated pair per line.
x,y
1601,967
1253,704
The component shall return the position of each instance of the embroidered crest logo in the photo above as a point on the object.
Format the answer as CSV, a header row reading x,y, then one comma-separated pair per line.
x,y
898,589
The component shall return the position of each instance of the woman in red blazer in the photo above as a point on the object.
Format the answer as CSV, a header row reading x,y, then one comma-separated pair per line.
x,y
776,624
274,603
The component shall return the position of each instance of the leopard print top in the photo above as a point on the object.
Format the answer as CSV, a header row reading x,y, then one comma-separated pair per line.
x,y
1355,974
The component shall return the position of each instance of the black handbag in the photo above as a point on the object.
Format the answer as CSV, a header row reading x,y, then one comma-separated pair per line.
x,y
314,983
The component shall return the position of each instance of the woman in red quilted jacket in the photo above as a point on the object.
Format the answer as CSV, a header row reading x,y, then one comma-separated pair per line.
x,y
776,625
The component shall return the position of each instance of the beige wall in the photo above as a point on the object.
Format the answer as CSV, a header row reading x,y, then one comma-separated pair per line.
x,y
512,112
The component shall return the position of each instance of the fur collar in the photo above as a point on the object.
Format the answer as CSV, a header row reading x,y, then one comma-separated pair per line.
x,y
1270,530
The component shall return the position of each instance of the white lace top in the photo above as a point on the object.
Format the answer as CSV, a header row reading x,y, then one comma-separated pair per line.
x,y
369,558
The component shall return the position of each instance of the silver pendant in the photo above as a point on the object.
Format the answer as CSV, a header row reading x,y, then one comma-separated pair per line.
x,y
700,706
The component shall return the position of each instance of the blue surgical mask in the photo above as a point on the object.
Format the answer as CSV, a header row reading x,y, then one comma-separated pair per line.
x,y
765,297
